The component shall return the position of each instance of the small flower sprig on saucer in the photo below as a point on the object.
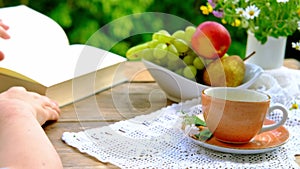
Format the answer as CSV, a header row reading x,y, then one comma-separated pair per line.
x,y
196,128
262,17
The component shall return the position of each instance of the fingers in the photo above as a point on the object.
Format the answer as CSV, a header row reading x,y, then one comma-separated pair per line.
x,y
4,26
42,107
1,56
45,101
53,114
3,29
51,107
4,34
47,108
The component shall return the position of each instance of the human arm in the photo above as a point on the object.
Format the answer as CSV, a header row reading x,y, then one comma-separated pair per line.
x,y
23,142
4,35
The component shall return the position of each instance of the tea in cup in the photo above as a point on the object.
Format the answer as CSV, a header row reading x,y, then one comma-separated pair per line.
x,y
237,115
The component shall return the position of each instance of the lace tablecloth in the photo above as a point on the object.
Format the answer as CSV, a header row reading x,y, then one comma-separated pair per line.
x,y
157,141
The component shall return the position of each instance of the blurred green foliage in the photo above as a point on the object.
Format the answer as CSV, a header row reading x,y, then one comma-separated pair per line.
x,y
82,19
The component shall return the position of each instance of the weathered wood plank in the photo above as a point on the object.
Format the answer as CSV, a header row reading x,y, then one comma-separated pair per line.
x,y
122,102
137,72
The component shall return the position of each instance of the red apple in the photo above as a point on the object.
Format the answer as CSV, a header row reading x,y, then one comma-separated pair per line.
x,y
211,40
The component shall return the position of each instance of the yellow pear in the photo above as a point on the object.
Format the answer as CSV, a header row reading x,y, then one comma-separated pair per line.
x,y
227,71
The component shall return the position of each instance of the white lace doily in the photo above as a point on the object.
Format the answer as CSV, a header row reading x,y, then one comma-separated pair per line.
x,y
157,141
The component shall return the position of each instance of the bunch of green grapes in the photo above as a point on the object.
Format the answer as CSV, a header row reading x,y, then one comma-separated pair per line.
x,y
171,51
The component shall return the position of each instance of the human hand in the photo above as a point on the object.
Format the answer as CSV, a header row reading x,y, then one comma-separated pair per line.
x,y
4,35
3,29
19,100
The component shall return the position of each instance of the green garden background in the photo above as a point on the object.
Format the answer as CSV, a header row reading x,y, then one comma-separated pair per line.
x,y
82,18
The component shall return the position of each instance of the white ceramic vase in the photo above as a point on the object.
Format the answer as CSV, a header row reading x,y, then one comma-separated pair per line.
x,y
269,55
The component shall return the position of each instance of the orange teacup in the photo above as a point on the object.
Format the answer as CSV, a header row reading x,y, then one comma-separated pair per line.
x,y
237,115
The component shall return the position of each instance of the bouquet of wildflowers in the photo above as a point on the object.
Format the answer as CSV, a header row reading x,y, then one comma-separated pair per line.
x,y
262,17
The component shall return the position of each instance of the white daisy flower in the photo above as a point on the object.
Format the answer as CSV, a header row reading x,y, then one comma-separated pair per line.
x,y
191,130
239,11
296,45
283,1
251,12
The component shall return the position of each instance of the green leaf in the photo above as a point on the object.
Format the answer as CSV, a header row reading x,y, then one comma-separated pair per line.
x,y
204,135
188,120
198,121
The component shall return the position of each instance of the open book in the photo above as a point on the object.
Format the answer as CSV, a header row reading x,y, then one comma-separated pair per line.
x,y
39,57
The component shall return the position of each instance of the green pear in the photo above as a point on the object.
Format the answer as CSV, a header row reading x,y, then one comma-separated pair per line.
x,y
227,71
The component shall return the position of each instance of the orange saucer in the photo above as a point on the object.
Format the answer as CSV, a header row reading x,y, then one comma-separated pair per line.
x,y
262,143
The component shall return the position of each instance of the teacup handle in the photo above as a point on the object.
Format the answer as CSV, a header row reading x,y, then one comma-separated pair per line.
x,y
278,124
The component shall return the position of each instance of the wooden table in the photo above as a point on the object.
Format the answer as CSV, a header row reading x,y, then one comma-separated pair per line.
x,y
140,96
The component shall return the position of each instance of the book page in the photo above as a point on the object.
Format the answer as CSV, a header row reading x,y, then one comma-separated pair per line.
x,y
34,37
77,60
39,49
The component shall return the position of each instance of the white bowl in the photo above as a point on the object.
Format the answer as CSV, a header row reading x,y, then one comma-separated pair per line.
x,y
179,88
